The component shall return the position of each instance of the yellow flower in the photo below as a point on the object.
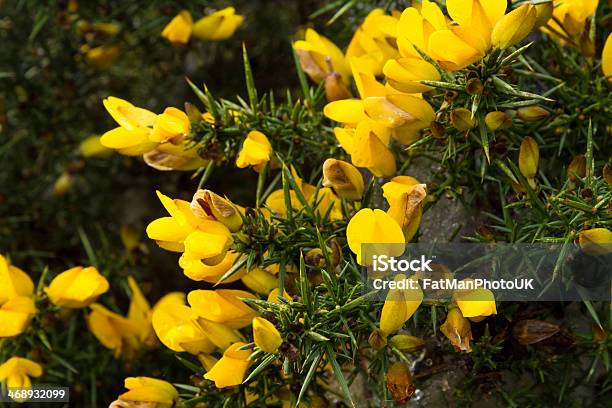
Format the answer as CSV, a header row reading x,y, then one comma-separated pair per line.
x,y
92,147
343,178
114,331
265,335
367,148
207,204
208,243
170,232
319,57
405,74
406,197
199,271
218,26
15,315
222,306
596,241
400,305
178,30
175,329
377,228
498,120
16,372
132,136
457,329
13,281
146,391
103,56
374,42
606,58
77,287
173,125
256,151
529,156
475,304
260,281
232,367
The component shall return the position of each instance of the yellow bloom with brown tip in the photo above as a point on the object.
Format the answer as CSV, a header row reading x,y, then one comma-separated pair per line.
x,y
379,230
231,369
529,157
178,30
207,204
147,391
16,372
319,57
218,26
400,305
343,178
222,306
514,26
265,335
77,287
596,241
406,197
256,151
457,329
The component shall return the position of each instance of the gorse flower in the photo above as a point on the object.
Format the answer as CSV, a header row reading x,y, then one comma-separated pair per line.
x,y
343,178
458,330
378,230
265,335
218,26
406,197
15,373
231,368
319,57
399,306
146,391
256,151
178,30
222,306
77,287
569,20
16,305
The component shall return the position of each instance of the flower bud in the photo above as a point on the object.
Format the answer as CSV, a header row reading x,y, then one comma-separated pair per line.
x,y
91,147
457,329
399,383
265,335
437,130
406,343
206,204
343,178
474,86
533,331
599,334
377,339
63,184
514,26
532,113
577,168
596,241
461,119
259,280
498,120
529,156
315,258
335,90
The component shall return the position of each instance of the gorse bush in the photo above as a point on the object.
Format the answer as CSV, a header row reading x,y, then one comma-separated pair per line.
x,y
269,197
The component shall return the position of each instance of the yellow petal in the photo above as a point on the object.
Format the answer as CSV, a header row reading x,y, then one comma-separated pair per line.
x,y
348,111
129,142
15,316
405,74
13,281
399,306
178,30
222,306
476,303
374,227
369,151
256,150
450,51
231,369
77,287
127,115
514,26
260,281
218,26
606,58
